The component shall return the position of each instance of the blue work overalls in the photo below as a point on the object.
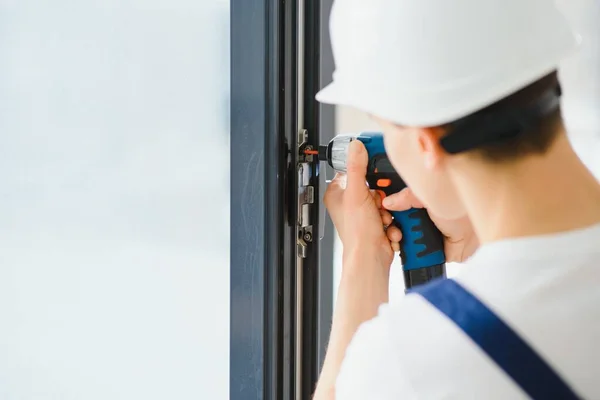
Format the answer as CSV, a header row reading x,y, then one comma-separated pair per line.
x,y
503,345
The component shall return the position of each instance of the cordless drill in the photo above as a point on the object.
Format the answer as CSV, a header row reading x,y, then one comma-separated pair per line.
x,y
422,246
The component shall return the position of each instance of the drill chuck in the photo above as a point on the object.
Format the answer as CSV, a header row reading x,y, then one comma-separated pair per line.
x,y
336,152
324,152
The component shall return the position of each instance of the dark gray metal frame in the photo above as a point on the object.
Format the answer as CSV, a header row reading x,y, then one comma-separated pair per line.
x,y
264,120
257,201
319,121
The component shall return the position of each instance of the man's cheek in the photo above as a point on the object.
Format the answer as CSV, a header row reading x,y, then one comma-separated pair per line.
x,y
395,153
391,146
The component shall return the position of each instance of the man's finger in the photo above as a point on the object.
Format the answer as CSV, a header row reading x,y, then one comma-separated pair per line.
x,y
386,217
356,164
402,201
335,190
377,198
393,233
338,181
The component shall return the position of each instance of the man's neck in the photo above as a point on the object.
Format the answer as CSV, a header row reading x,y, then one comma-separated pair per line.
x,y
538,195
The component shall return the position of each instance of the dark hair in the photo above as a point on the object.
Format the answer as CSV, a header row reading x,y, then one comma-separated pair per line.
x,y
534,141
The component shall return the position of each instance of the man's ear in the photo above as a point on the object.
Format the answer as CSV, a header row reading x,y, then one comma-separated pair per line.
x,y
429,145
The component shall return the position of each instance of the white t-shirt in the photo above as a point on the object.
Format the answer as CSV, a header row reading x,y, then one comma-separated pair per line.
x,y
546,288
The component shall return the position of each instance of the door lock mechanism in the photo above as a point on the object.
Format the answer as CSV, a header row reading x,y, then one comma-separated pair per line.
x,y
306,194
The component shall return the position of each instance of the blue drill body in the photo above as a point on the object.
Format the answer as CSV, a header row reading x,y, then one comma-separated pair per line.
x,y
422,247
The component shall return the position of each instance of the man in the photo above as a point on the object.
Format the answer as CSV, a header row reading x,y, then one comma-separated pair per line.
x,y
467,95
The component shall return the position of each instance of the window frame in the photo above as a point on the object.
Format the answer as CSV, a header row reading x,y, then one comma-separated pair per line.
x,y
280,306
257,202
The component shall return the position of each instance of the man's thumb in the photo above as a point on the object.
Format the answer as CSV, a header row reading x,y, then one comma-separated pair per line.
x,y
356,164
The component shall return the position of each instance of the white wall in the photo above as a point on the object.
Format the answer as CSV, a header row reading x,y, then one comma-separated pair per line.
x,y
114,274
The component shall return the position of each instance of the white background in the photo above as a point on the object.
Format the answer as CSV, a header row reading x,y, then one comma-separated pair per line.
x,y
114,274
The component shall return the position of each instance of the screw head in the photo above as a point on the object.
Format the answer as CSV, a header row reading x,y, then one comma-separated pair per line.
x,y
308,237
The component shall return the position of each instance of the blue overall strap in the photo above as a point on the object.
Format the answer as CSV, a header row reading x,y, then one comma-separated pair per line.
x,y
497,340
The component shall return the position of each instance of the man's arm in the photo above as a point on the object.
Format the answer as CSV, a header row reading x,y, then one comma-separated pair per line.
x,y
359,219
363,288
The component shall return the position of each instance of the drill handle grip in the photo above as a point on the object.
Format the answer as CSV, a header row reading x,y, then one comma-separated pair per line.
x,y
422,244
421,247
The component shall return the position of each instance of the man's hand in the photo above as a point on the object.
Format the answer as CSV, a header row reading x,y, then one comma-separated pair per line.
x,y
357,212
460,241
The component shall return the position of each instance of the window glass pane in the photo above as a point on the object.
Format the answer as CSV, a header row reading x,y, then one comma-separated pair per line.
x,y
114,188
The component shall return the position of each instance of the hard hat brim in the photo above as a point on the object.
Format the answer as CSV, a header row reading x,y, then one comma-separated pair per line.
x,y
330,94
403,113
424,108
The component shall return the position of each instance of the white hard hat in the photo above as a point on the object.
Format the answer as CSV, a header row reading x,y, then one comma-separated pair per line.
x,y
430,62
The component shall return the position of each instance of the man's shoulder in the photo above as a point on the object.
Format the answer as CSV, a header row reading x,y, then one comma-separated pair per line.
x,y
415,327
428,352
373,366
